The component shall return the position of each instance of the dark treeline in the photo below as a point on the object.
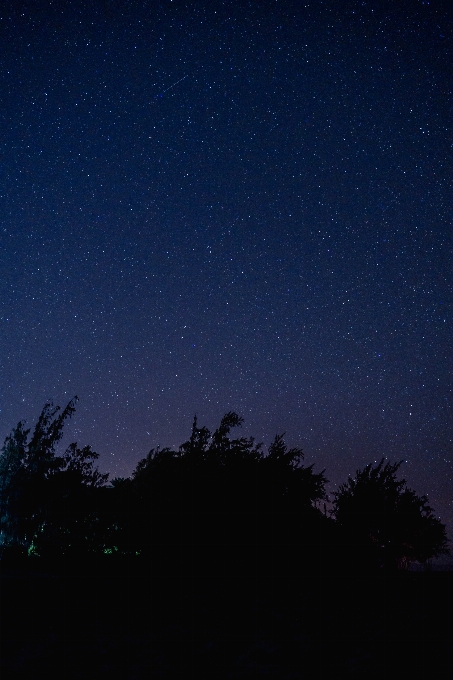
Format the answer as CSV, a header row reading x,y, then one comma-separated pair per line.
x,y
139,576
216,500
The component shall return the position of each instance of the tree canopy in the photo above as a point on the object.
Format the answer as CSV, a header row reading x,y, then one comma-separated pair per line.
x,y
45,498
218,490
385,521
214,490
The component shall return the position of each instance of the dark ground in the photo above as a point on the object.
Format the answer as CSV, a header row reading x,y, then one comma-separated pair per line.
x,y
131,624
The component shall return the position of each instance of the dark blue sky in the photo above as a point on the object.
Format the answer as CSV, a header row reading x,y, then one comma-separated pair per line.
x,y
214,206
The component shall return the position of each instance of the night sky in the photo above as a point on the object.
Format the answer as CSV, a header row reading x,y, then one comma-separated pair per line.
x,y
214,206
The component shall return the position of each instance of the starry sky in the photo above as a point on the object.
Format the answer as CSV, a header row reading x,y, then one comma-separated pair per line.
x,y
214,206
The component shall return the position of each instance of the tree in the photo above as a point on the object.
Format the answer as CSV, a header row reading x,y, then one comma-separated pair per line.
x,y
219,492
12,461
385,524
72,516
41,492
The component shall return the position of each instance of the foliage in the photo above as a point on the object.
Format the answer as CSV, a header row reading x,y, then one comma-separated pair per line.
x,y
44,498
218,490
12,464
384,522
215,492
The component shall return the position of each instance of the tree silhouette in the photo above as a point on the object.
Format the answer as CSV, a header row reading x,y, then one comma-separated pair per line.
x,y
24,467
73,511
386,525
12,458
43,497
217,492
214,493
